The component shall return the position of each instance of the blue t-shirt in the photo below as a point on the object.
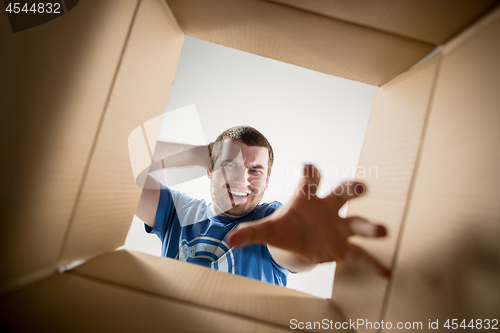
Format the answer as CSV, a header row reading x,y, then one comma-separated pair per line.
x,y
190,231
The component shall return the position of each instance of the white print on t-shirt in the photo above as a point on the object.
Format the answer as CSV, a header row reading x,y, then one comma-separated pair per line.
x,y
220,253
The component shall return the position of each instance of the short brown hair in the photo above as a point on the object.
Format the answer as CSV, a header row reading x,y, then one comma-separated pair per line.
x,y
244,134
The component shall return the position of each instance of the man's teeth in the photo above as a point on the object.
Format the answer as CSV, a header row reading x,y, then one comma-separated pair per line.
x,y
239,194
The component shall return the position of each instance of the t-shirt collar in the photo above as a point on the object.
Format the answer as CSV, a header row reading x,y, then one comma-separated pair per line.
x,y
223,219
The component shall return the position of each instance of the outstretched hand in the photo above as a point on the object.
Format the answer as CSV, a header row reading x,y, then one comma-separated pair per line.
x,y
310,229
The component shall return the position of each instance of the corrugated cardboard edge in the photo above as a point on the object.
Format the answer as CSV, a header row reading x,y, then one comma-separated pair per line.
x,y
436,14
301,38
392,146
448,263
51,121
131,291
206,288
474,29
74,303
109,194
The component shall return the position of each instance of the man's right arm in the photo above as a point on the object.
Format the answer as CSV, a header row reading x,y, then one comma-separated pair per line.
x,y
168,155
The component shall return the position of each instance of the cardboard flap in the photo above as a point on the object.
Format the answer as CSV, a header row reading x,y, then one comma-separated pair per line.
x,y
432,21
72,303
449,260
109,196
206,288
56,79
387,166
293,36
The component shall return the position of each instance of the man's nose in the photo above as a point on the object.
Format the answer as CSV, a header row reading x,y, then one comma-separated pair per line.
x,y
241,176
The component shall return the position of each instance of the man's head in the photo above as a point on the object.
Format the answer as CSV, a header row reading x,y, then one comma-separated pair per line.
x,y
241,165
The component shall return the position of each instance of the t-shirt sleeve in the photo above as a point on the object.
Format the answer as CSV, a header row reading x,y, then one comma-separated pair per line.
x,y
165,214
271,208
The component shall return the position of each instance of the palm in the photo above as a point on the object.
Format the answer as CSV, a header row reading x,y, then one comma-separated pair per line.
x,y
311,229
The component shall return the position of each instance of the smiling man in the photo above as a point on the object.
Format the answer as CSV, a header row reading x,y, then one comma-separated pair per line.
x,y
242,160
236,233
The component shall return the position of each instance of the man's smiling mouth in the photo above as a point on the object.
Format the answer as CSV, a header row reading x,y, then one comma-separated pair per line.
x,y
238,195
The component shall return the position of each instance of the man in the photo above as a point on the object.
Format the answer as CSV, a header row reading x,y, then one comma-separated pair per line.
x,y
235,233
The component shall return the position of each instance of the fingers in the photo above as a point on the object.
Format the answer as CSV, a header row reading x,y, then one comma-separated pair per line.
x,y
362,227
309,183
357,255
344,192
248,233
364,260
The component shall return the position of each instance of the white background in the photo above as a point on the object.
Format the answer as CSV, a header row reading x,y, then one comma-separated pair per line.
x,y
306,116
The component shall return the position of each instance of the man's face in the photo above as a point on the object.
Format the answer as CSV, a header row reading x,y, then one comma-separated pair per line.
x,y
239,178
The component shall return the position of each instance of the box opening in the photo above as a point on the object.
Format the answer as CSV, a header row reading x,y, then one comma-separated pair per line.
x,y
307,116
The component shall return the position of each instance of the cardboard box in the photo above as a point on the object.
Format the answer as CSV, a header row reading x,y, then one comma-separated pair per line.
x,y
74,88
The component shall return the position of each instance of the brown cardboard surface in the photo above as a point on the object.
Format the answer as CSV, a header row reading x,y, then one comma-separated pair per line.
x,y
297,37
72,303
55,80
79,85
109,196
485,21
387,165
432,21
191,284
449,261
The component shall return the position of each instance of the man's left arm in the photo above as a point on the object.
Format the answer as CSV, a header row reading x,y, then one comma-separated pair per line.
x,y
308,230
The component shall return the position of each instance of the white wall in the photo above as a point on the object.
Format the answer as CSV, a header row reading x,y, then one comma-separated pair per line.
x,y
307,117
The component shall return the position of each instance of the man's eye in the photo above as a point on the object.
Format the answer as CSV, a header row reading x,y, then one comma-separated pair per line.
x,y
255,170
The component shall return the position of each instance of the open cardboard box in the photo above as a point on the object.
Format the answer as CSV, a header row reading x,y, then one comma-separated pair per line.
x,y
74,89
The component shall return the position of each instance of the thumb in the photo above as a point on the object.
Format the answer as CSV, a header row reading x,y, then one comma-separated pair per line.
x,y
310,180
251,232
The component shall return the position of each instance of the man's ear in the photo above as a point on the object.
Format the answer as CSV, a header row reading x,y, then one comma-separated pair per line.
x,y
210,168
209,171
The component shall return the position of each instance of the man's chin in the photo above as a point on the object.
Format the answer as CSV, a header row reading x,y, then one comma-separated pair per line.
x,y
238,211
223,205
